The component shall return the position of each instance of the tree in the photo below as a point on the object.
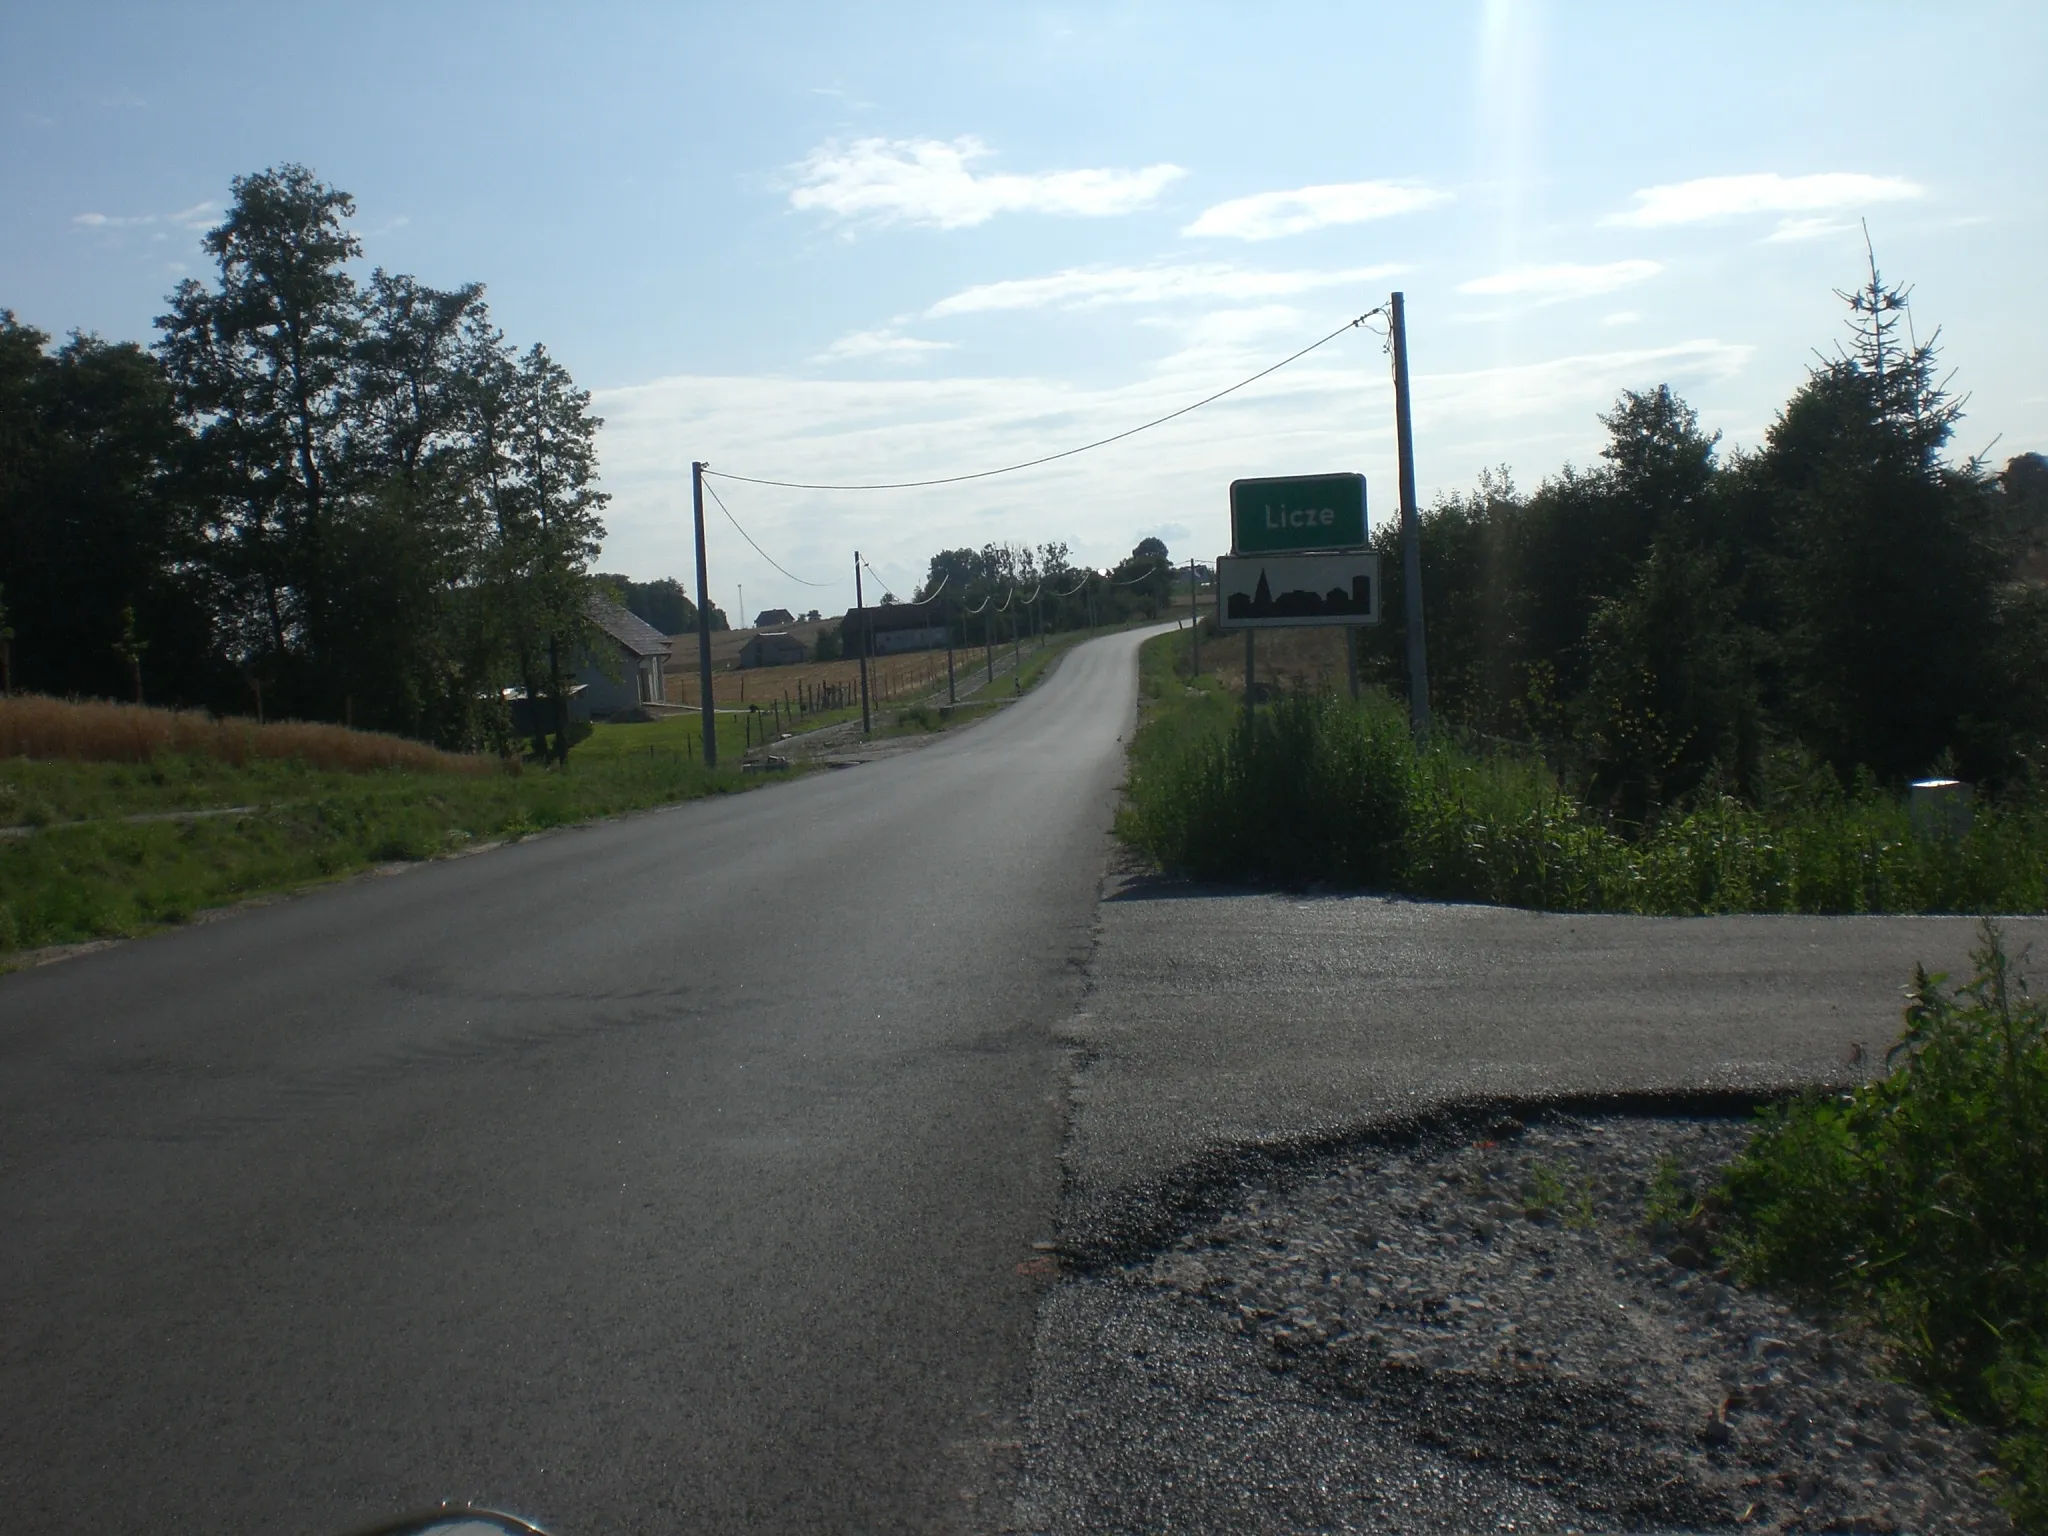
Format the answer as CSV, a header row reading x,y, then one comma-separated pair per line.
x,y
91,522
549,526
663,603
1882,586
261,366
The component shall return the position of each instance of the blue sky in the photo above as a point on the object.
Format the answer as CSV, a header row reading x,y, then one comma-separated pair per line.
x,y
857,242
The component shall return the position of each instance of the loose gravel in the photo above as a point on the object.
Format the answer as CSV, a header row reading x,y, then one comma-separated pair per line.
x,y
1473,1333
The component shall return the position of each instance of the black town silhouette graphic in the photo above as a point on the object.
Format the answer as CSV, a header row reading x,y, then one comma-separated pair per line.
x,y
1301,603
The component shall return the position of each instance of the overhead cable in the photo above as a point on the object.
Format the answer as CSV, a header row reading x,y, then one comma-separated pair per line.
x,y
1068,453
758,549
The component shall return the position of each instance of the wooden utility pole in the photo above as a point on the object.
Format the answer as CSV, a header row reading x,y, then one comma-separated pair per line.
x,y
1194,621
952,696
1411,532
704,704
860,608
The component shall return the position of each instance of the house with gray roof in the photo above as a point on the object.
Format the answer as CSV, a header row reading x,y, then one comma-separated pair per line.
x,y
625,669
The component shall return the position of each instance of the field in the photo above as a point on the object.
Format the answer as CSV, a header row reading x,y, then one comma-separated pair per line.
x,y
810,688
129,842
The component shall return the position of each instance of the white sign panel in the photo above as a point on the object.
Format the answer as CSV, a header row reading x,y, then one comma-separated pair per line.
x,y
1290,591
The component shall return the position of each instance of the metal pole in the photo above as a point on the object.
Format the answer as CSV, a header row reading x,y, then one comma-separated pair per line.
x,y
704,698
1351,657
860,608
1411,532
1251,681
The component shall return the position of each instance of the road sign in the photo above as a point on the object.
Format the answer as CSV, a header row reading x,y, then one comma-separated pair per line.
x,y
1283,591
1297,512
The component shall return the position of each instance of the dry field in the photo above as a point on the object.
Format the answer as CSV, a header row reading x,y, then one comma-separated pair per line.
x,y
891,679
100,731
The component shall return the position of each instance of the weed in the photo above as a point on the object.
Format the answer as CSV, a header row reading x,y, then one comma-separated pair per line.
x,y
1921,1201
1314,788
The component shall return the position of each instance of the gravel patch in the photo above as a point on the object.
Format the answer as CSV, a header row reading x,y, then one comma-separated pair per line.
x,y
1472,1333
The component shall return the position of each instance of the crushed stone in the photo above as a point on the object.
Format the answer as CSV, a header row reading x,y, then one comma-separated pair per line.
x,y
1475,1335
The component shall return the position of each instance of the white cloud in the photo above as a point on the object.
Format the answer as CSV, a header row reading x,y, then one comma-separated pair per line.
x,y
1621,317
197,217
883,343
929,182
1791,230
1554,284
1269,215
1719,197
1079,286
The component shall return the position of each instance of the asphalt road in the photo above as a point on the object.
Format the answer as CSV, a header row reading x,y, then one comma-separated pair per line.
x,y
1218,1020
675,1174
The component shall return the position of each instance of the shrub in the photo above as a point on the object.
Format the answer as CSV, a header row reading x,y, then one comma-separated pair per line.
x,y
1317,788
1921,1201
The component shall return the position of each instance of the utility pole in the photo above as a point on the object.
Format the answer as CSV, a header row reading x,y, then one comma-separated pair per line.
x,y
1411,531
1194,620
860,608
703,624
952,697
988,639
743,624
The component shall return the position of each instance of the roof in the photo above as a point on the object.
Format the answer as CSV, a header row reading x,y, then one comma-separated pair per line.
x,y
634,633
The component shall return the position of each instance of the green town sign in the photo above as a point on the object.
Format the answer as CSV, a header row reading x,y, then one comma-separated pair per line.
x,y
1297,512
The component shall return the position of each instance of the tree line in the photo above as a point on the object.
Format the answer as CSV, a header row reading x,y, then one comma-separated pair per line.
x,y
315,495
1843,601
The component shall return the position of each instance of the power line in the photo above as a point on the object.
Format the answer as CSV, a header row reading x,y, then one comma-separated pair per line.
x,y
757,548
1101,442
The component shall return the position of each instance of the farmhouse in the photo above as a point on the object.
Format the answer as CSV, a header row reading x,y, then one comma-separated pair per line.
x,y
631,648
774,618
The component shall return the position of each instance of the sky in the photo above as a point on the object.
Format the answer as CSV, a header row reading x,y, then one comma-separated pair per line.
x,y
850,243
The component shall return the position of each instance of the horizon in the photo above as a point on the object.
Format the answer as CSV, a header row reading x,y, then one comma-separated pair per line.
x,y
807,243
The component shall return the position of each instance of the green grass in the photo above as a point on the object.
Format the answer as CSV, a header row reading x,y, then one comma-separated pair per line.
x,y
1920,1201
1319,789
86,874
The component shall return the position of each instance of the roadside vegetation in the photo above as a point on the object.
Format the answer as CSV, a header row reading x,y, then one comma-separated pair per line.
x,y
1314,788
1665,684
1918,1203
108,841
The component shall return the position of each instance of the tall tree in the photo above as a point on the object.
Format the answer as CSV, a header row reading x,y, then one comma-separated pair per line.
x,y
261,363
91,527
549,524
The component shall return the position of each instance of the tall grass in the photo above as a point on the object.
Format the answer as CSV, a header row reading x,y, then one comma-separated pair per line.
x,y
1314,788
1921,1201
98,731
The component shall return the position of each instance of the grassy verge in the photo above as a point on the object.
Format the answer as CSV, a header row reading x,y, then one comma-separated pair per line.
x,y
1317,788
1920,1203
76,870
